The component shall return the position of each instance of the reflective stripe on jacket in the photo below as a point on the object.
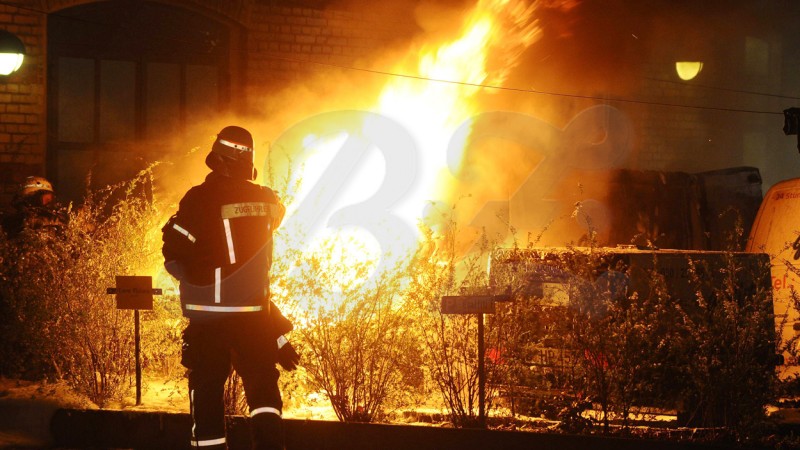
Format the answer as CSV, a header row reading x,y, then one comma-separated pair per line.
x,y
219,246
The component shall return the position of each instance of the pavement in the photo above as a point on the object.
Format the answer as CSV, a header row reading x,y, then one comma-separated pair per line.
x,y
29,420
99,429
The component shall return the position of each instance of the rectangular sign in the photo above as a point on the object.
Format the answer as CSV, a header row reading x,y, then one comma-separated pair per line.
x,y
248,209
555,294
468,304
134,292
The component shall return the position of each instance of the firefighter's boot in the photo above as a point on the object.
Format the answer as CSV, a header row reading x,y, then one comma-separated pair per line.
x,y
267,432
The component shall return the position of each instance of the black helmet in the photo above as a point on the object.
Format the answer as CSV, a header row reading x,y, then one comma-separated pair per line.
x,y
232,154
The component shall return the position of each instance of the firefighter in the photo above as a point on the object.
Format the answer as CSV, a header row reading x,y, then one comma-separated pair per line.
x,y
219,246
35,208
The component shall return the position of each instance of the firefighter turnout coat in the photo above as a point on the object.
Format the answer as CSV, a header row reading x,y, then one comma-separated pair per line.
x,y
219,246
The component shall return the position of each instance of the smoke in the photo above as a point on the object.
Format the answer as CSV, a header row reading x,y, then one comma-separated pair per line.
x,y
586,50
320,89
603,45
314,89
589,53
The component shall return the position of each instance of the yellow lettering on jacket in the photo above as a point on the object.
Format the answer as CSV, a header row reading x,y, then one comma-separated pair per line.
x,y
249,209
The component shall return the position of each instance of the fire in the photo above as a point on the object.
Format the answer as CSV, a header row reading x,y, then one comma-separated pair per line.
x,y
439,96
432,110
435,93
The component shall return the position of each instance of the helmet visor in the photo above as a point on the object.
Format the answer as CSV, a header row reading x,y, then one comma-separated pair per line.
x,y
233,150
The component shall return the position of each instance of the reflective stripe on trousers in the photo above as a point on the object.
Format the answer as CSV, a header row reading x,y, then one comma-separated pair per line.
x,y
267,410
208,442
198,442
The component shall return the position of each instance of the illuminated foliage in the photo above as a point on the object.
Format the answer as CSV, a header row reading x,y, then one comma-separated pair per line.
x,y
642,329
59,322
449,342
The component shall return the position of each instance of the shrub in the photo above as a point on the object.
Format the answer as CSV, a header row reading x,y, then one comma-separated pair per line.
x,y
59,321
355,335
449,342
647,329
731,376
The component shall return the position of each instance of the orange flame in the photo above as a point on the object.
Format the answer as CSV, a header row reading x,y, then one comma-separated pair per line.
x,y
431,103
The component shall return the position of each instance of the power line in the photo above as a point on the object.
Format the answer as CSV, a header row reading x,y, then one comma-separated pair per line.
x,y
716,88
523,90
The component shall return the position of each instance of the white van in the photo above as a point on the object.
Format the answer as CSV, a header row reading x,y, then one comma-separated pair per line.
x,y
776,231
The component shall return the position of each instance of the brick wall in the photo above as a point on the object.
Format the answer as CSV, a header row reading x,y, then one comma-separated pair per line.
x,y
22,103
281,39
670,137
724,119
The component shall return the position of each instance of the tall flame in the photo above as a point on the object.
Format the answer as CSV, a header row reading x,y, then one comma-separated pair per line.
x,y
431,103
432,110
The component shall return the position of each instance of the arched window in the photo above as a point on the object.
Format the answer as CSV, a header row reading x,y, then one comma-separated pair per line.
x,y
122,76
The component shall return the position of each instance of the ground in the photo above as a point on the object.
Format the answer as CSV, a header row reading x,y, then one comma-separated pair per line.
x,y
27,407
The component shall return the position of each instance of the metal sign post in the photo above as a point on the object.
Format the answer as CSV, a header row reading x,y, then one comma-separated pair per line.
x,y
477,305
135,292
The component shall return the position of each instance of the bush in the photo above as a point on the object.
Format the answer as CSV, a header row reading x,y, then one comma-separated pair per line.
x,y
449,342
731,375
649,329
59,322
355,335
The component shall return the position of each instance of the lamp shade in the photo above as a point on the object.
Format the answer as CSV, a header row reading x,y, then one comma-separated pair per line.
x,y
687,70
12,52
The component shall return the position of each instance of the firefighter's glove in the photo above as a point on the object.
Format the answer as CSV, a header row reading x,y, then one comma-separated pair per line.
x,y
287,356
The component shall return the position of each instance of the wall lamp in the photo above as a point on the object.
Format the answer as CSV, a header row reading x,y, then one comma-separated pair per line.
x,y
687,70
12,52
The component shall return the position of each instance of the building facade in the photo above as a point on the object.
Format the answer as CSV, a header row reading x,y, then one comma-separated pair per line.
x,y
104,80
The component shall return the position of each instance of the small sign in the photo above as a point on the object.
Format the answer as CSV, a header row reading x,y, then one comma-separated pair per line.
x,y
468,304
134,292
557,294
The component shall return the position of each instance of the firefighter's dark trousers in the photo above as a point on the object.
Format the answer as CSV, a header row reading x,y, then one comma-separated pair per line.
x,y
211,347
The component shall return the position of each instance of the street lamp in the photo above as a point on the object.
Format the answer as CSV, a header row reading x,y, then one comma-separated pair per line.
x,y
12,52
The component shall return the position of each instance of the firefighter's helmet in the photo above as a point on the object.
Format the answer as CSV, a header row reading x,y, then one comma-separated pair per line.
x,y
34,185
232,153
